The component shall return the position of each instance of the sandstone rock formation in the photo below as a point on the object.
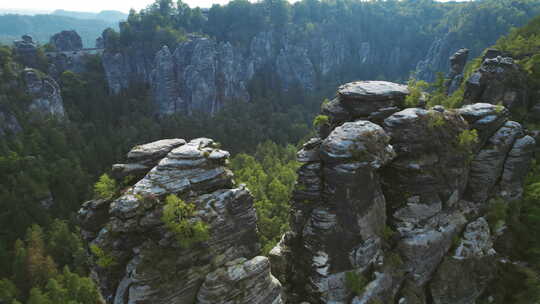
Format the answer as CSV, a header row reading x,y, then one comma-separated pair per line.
x,y
390,202
26,50
457,64
45,94
436,56
66,41
139,260
498,81
202,74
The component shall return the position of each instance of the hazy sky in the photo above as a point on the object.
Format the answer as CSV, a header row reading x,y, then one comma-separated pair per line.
x,y
98,5
92,5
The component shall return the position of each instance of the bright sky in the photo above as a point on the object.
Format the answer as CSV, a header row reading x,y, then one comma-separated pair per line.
x,y
92,5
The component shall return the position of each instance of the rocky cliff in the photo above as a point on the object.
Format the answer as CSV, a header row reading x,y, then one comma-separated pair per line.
x,y
44,92
390,204
139,259
202,74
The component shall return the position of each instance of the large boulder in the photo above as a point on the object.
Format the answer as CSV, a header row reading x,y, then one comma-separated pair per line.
x,y
142,158
362,98
66,41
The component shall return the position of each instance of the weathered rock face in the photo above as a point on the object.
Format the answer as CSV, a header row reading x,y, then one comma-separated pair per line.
x,y
26,50
498,81
45,94
66,41
435,59
147,262
202,74
457,64
463,277
398,199
198,75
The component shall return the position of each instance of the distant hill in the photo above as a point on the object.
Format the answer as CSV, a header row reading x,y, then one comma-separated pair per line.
x,y
42,27
109,16
23,11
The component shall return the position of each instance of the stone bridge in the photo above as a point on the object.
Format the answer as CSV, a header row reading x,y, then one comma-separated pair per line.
x,y
77,53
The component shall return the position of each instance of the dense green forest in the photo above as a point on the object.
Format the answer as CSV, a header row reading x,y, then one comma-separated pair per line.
x,y
42,259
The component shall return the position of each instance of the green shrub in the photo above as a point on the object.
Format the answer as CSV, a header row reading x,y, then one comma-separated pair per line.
x,y
178,217
496,215
416,89
325,102
105,187
320,120
435,120
467,139
355,282
103,259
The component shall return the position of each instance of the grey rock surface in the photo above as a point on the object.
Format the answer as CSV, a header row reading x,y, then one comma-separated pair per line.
x,y
487,166
27,50
45,94
372,90
236,281
457,64
498,81
66,41
400,205
149,264
463,277
142,158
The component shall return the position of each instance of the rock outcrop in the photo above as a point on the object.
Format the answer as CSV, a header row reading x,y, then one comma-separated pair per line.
x,y
499,81
26,50
66,41
457,64
139,259
45,94
390,203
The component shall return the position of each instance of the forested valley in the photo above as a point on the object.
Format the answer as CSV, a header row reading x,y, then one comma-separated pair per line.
x,y
49,166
